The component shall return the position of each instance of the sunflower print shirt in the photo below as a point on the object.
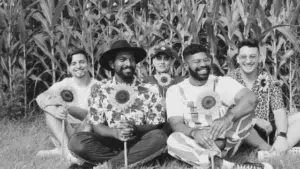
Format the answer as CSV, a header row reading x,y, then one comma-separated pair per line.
x,y
269,94
147,107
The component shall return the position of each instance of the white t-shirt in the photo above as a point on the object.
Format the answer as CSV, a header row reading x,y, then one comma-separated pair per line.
x,y
82,93
177,104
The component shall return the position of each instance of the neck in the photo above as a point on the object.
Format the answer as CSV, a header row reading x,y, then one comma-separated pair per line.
x,y
166,72
196,82
249,76
85,81
124,80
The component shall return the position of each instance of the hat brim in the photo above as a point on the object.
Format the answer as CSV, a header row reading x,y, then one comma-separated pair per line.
x,y
138,53
163,52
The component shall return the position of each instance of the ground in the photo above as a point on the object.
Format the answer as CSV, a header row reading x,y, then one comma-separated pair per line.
x,y
21,140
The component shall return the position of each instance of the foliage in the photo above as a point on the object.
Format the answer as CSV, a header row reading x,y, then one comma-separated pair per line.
x,y
36,36
11,103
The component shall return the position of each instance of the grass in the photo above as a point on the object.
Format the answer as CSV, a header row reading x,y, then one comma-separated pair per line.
x,y
21,140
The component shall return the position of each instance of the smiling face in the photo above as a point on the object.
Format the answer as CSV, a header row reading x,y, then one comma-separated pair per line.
x,y
124,65
79,66
248,59
162,63
199,66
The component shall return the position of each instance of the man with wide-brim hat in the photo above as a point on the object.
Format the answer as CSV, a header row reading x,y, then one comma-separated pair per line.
x,y
122,108
121,46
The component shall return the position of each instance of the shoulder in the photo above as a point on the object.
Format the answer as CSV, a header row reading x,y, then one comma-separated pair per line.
x,y
148,88
229,82
148,79
179,79
233,73
65,81
183,84
96,84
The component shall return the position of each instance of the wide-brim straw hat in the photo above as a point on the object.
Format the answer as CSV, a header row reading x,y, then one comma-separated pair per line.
x,y
121,46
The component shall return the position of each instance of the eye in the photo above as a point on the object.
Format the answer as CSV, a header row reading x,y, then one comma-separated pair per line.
x,y
206,60
243,56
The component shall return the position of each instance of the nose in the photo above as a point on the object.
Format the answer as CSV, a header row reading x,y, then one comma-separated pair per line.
x,y
201,64
127,62
248,60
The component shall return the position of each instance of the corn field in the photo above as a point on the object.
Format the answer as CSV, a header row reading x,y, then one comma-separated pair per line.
x,y
37,35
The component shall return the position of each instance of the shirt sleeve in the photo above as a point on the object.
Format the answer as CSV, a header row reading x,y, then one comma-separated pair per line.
x,y
96,113
276,98
156,110
228,88
174,103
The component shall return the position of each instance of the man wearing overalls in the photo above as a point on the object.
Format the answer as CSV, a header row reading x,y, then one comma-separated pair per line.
x,y
210,115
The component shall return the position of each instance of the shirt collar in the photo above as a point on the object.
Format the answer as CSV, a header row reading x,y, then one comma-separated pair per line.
x,y
135,82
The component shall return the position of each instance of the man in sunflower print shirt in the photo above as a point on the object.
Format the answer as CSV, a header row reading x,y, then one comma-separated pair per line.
x,y
276,131
121,109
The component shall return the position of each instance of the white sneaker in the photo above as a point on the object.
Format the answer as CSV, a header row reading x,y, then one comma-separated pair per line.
x,y
105,165
254,166
261,155
294,150
49,153
266,154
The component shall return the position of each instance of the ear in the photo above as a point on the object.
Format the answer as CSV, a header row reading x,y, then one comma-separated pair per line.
x,y
111,64
186,65
238,59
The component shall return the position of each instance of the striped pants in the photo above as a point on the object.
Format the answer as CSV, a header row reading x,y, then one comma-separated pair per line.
x,y
188,150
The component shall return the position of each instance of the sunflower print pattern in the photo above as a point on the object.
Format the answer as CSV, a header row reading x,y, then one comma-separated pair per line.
x,y
268,93
148,107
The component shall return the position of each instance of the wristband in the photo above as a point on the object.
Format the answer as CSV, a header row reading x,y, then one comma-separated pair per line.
x,y
282,134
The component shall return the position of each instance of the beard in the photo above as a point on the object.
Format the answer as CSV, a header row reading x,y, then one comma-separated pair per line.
x,y
202,77
126,75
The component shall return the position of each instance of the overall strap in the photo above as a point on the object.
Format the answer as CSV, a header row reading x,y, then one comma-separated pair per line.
x,y
215,83
181,91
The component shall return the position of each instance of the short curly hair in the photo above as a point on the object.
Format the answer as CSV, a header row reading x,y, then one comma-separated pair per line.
x,y
195,48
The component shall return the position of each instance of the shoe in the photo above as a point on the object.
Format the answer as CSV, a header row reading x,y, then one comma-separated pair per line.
x,y
294,150
263,165
83,166
49,153
104,165
261,155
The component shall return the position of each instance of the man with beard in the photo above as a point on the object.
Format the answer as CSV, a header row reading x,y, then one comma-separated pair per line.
x,y
138,124
210,115
55,112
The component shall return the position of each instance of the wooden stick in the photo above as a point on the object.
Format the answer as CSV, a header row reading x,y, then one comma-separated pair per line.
x,y
62,137
125,155
212,161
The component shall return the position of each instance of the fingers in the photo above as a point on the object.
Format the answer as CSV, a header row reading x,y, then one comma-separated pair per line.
x,y
216,130
209,143
126,124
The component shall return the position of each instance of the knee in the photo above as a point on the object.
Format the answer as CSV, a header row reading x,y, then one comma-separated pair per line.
x,y
75,144
159,137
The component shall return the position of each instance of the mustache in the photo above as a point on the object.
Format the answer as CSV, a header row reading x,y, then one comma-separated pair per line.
x,y
202,67
128,67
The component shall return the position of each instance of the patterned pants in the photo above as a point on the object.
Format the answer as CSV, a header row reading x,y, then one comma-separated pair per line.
x,y
188,150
